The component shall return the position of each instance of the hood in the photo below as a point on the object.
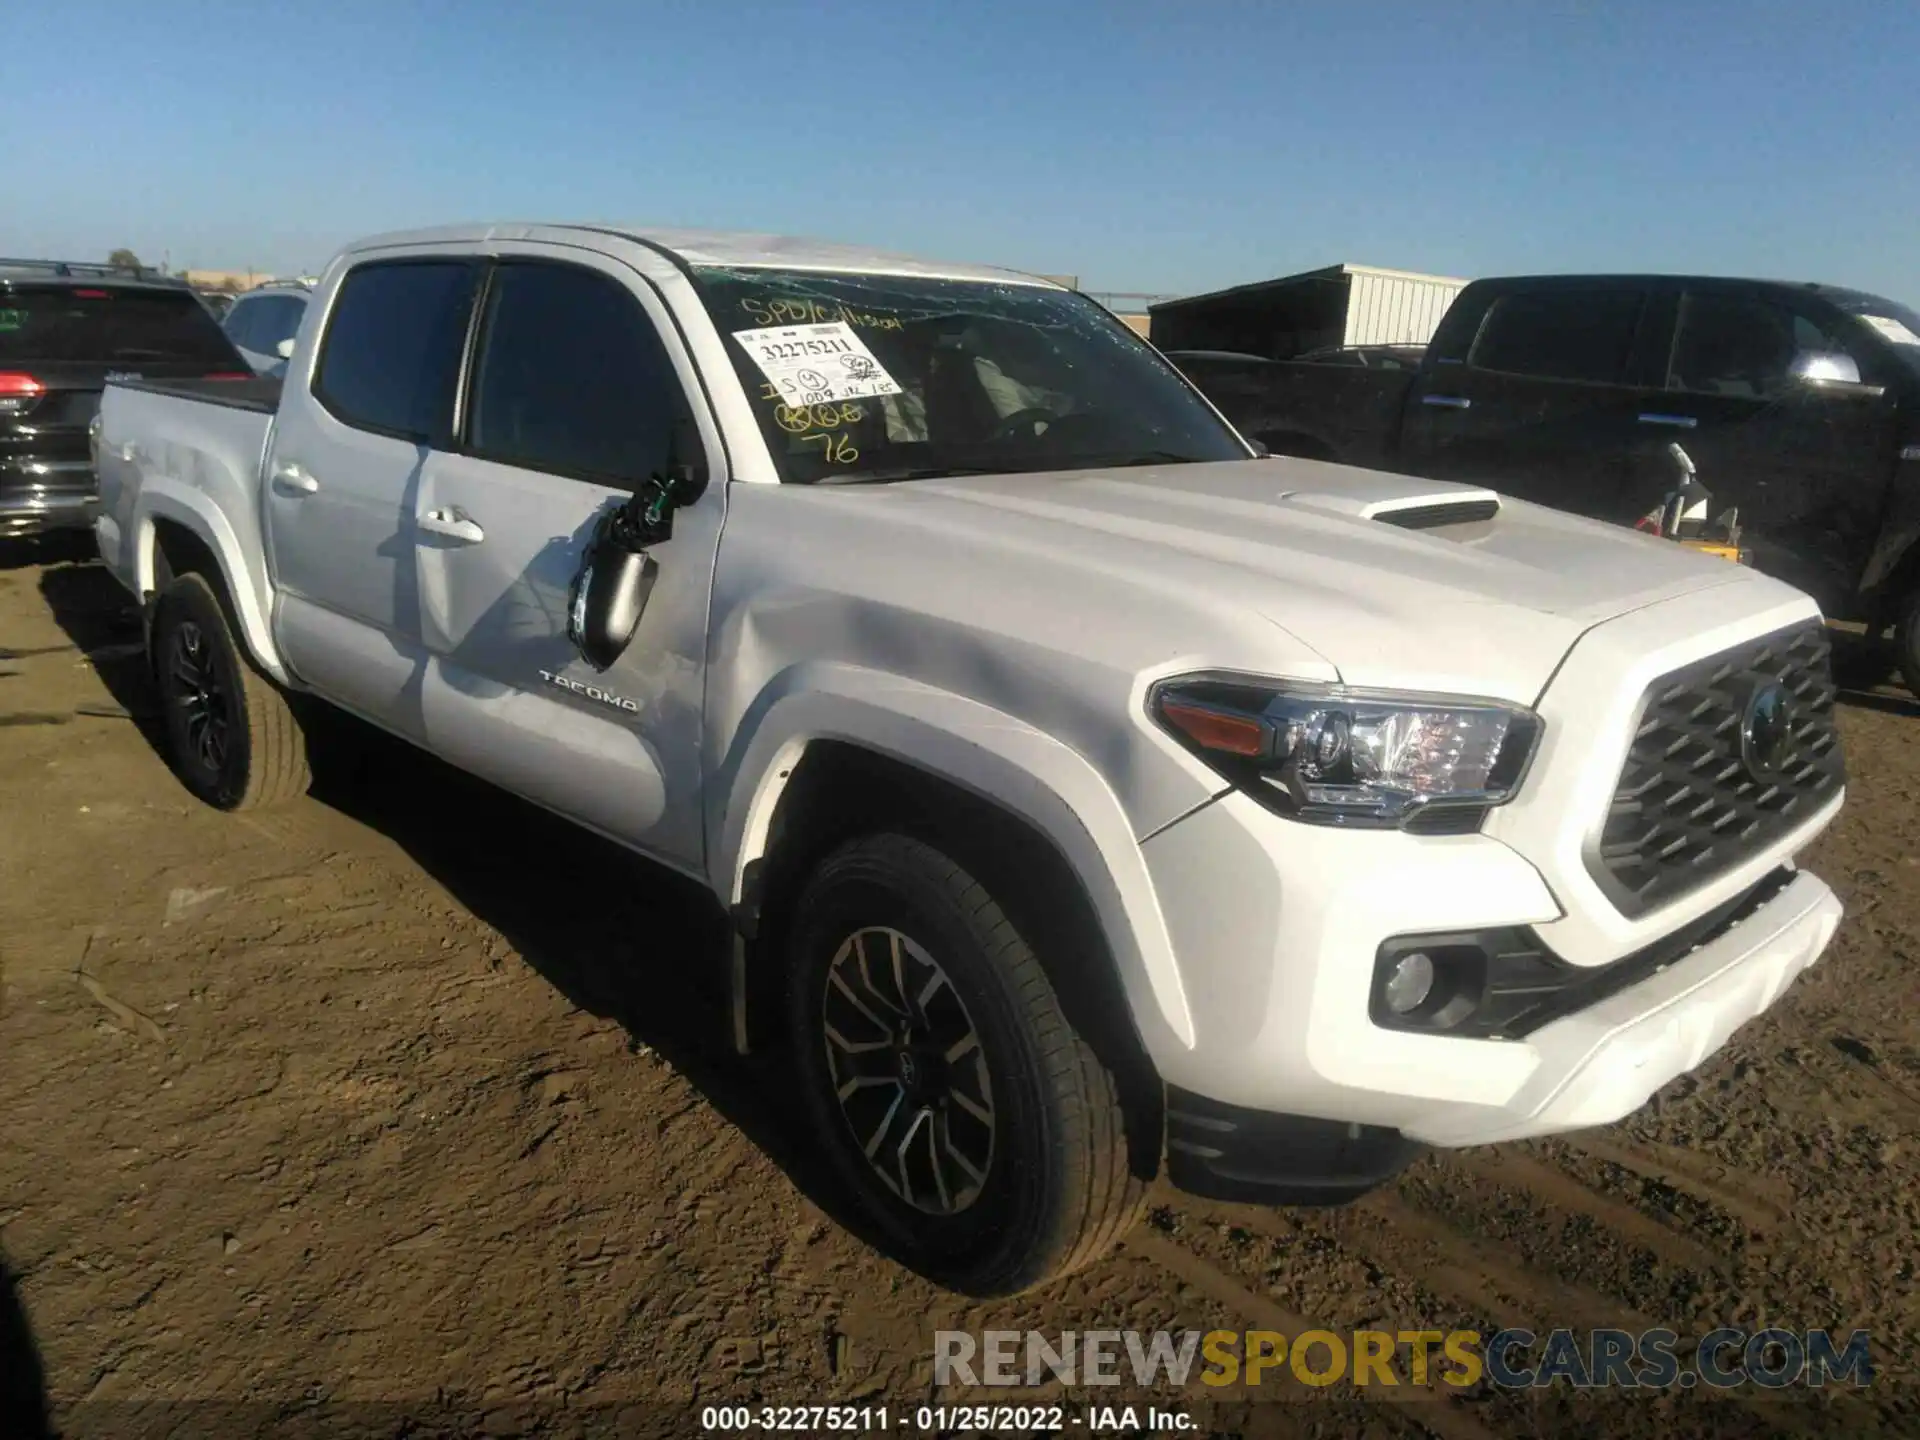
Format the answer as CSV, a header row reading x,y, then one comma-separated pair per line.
x,y
1394,582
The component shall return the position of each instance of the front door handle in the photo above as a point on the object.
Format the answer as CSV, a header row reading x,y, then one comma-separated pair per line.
x,y
291,478
452,524
1447,402
1678,422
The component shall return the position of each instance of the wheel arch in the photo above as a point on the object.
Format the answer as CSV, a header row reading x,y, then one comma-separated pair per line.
x,y
180,532
829,750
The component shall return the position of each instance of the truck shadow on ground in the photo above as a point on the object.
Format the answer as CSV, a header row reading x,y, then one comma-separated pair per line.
x,y
619,937
23,1391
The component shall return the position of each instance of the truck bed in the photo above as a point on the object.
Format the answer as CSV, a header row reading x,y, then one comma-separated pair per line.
x,y
193,447
1348,413
259,393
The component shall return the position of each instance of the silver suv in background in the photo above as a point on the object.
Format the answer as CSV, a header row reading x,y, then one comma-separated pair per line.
x,y
262,323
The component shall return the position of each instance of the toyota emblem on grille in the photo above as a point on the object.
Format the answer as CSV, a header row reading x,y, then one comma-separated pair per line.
x,y
1766,730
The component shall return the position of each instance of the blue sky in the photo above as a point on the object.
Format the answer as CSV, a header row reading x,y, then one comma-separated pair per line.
x,y
1144,147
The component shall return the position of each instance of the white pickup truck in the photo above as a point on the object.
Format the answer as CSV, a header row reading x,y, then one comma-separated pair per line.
x,y
1100,797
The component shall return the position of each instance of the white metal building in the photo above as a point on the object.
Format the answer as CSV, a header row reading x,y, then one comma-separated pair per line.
x,y
1340,305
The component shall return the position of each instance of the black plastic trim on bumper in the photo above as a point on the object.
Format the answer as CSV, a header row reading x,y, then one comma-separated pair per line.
x,y
1521,985
1226,1152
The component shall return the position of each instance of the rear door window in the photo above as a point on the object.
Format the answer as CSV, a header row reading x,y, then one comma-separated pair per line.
x,y
571,377
1561,334
391,357
108,326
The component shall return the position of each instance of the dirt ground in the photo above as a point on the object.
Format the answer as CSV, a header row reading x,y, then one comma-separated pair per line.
x,y
407,1111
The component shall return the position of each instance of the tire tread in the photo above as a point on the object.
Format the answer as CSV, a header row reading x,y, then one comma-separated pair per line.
x,y
277,767
1101,1196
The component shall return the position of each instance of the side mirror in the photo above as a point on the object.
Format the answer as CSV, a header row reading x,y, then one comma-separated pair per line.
x,y
1825,367
1260,450
617,574
285,348
609,596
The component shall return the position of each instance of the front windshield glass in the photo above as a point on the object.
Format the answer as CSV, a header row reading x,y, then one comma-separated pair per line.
x,y
882,377
1898,325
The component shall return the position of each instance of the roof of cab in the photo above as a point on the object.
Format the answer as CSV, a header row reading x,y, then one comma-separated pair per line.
x,y
736,248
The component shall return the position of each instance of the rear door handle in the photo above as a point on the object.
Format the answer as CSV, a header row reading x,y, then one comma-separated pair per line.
x,y
453,525
290,478
1678,422
1447,402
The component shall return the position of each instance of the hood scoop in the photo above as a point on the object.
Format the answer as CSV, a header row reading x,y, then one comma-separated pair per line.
x,y
1419,510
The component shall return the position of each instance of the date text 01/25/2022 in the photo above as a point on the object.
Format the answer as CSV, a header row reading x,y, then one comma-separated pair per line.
x,y
944,1419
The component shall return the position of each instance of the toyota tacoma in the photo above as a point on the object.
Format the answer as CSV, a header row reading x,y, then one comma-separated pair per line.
x,y
1093,797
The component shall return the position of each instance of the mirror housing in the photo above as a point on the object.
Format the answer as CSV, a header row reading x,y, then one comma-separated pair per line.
x,y
1830,370
1260,450
617,574
609,596
285,348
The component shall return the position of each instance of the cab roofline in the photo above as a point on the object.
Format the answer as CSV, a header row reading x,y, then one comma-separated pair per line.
x,y
736,249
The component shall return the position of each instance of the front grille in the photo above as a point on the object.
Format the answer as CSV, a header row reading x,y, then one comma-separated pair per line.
x,y
1689,806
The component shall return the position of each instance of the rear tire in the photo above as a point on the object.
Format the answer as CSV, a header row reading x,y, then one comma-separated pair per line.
x,y
1906,642
973,1126
231,737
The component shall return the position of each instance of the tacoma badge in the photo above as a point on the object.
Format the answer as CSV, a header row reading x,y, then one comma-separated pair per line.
x,y
592,692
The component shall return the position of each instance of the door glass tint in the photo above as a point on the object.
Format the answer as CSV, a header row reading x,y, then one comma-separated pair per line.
x,y
108,326
392,352
1740,345
571,377
1561,334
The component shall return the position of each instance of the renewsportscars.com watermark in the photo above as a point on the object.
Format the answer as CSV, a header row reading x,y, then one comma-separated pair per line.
x,y
1510,1359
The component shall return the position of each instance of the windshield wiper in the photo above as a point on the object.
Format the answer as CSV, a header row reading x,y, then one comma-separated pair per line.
x,y
906,472
1142,457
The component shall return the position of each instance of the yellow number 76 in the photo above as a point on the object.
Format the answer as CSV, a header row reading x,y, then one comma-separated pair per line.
x,y
838,449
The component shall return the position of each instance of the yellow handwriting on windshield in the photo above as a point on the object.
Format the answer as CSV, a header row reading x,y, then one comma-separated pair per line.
x,y
797,419
800,310
837,449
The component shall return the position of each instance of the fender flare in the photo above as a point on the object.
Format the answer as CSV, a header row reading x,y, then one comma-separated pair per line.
x,y
1005,761
163,498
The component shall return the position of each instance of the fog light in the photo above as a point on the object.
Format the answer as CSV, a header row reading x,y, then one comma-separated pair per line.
x,y
1409,983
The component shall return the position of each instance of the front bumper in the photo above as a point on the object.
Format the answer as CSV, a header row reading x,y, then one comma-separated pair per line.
x,y
1277,925
1606,1061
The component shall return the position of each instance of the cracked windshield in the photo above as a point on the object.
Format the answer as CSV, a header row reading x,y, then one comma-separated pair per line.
x,y
876,378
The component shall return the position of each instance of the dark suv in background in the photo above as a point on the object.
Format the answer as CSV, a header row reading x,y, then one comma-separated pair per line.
x,y
64,328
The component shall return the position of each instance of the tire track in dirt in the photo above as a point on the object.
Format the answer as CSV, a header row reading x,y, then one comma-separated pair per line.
x,y
1761,1204
1459,1265
1438,1413
1561,1193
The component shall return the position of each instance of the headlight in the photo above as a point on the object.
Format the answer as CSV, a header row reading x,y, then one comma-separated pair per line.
x,y
1349,757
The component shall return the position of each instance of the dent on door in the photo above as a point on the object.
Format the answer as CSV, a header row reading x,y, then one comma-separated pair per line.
x,y
509,695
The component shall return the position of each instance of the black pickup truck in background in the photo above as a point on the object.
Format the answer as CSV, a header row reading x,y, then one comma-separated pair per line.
x,y
1798,404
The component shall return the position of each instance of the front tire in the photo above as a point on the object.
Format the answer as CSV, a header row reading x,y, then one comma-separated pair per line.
x,y
974,1127
231,737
